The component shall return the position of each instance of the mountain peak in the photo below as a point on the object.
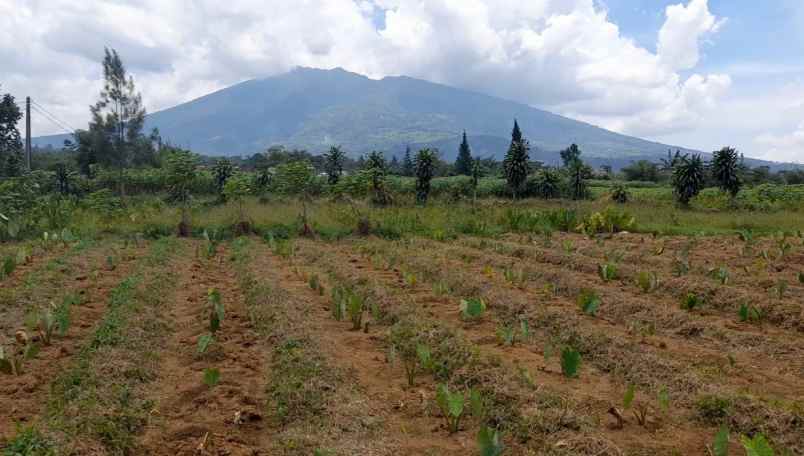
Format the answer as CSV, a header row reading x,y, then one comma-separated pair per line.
x,y
314,108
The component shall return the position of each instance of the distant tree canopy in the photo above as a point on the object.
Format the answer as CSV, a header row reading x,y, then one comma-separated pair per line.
x,y
642,170
570,155
11,161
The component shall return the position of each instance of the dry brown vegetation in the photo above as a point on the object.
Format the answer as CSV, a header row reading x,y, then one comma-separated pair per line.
x,y
359,346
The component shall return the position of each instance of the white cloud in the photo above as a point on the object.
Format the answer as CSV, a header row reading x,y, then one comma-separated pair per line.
x,y
563,55
787,147
680,36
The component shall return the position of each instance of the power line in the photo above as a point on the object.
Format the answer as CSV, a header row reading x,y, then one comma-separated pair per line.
x,y
53,118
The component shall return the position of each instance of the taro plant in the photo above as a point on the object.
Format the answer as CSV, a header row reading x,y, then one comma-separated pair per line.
x,y
691,301
451,405
508,334
720,446
12,361
8,266
720,274
589,302
338,306
779,289
216,314
212,376
750,314
647,281
415,355
756,446
488,441
355,306
570,362
216,310
472,308
607,271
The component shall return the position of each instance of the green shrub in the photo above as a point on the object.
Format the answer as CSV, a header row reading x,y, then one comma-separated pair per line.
x,y
570,362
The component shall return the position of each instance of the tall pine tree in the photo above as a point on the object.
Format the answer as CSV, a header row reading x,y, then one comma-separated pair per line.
x,y
115,131
408,167
463,164
516,165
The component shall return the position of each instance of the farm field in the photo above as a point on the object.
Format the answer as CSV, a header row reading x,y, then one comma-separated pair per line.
x,y
565,344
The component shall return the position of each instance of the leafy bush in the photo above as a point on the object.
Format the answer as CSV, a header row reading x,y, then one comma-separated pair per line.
x,y
619,194
610,220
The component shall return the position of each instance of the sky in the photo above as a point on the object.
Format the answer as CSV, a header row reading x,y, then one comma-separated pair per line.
x,y
701,74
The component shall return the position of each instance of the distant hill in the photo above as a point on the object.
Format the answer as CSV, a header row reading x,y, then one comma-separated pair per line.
x,y
314,109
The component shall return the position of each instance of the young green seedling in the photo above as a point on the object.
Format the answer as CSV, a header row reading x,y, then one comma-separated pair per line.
x,y
451,405
589,302
472,308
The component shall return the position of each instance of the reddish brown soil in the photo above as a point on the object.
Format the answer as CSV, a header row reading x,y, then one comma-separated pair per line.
x,y
26,395
598,388
190,417
408,429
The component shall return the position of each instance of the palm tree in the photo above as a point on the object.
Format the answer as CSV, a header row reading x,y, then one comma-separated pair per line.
x,y
688,178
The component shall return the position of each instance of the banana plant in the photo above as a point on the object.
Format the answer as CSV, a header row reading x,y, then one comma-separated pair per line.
x,y
451,405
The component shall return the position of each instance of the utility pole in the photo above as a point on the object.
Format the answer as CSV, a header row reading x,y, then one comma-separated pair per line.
x,y
28,131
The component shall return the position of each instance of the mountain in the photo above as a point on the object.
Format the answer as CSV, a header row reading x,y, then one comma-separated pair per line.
x,y
314,109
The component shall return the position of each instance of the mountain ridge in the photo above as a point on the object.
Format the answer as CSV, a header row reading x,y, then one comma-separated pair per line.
x,y
314,109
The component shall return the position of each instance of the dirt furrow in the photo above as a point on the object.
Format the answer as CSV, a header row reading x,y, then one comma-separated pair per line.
x,y
189,416
406,430
85,285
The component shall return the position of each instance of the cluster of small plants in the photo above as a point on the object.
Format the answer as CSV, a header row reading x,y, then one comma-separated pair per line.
x,y
215,312
348,302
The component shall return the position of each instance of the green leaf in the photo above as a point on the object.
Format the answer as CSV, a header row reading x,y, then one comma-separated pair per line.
x,y
720,447
489,442
570,362
456,404
473,307
211,376
664,399
589,302
628,399
743,312
425,358
476,403
758,446
204,342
